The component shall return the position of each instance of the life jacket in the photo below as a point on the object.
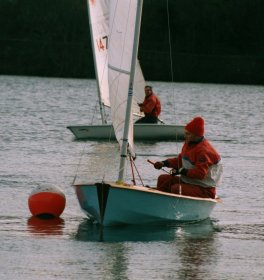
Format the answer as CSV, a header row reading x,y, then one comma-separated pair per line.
x,y
201,159
203,162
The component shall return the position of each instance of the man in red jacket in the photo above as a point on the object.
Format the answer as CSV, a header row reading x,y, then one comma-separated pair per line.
x,y
151,107
199,165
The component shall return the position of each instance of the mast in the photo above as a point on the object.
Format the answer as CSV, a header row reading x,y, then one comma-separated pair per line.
x,y
124,147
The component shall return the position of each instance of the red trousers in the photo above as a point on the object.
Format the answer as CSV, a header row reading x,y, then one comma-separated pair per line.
x,y
173,184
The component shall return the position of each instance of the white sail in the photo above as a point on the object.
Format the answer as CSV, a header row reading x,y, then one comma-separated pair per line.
x,y
121,39
99,28
139,92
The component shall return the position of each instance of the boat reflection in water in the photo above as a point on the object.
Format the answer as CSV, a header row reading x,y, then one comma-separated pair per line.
x,y
181,244
87,231
41,226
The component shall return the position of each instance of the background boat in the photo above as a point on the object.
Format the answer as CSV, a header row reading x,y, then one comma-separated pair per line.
x,y
98,12
154,132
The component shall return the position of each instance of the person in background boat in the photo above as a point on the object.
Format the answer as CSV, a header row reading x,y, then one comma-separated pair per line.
x,y
199,165
151,107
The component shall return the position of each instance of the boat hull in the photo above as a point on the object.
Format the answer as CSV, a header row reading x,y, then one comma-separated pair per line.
x,y
111,204
154,132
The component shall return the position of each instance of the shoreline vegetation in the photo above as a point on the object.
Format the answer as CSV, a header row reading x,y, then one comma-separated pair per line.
x,y
210,41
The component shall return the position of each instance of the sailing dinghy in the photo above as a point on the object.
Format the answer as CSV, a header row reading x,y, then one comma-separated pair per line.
x,y
98,12
113,203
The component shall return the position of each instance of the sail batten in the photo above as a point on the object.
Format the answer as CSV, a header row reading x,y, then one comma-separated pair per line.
x,y
118,70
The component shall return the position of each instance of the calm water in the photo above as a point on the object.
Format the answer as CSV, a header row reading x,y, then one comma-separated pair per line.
x,y
36,148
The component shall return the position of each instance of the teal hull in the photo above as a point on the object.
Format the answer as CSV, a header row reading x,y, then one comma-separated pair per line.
x,y
111,204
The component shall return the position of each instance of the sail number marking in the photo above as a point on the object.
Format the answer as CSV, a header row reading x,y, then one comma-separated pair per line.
x,y
102,43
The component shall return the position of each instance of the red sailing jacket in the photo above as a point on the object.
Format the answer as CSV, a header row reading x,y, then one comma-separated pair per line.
x,y
152,106
202,162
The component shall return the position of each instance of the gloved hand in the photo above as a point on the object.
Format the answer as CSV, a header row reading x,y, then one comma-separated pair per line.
x,y
181,171
174,172
158,164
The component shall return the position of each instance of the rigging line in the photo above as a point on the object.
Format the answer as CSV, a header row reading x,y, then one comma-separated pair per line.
x,y
78,165
132,169
170,54
151,162
177,146
171,67
94,111
138,173
169,34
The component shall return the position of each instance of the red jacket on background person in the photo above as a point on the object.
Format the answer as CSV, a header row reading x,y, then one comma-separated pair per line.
x,y
151,105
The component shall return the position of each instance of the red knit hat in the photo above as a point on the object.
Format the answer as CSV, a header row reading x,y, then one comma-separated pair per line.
x,y
196,126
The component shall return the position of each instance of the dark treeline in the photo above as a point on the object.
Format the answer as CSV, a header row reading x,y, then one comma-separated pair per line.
x,y
218,41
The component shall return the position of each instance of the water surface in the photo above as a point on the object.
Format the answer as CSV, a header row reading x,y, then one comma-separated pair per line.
x,y
36,148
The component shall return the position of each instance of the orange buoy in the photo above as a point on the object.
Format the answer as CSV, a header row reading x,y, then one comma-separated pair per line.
x,y
47,201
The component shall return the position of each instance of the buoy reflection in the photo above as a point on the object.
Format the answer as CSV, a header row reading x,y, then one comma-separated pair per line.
x,y
45,225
